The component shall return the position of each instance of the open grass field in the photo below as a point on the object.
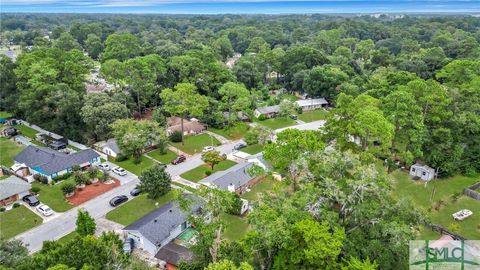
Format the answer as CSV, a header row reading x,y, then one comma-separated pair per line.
x,y
16,221
253,149
53,196
277,122
136,169
234,132
426,196
199,172
313,115
235,227
194,144
136,208
27,131
165,158
8,150
256,191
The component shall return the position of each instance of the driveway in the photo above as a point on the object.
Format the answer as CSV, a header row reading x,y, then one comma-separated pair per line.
x,y
315,125
129,177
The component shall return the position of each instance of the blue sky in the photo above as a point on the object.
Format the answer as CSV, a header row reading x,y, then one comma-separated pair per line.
x,y
240,6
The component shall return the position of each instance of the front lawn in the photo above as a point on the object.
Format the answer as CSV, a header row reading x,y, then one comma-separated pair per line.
x,y
255,192
311,116
427,196
234,132
16,221
165,158
235,227
199,172
195,143
253,149
8,150
27,131
67,238
136,208
137,169
277,122
52,196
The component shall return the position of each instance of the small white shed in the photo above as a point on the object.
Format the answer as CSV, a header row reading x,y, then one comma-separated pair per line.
x,y
424,172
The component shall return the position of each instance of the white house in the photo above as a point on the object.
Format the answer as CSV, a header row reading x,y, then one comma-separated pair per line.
x,y
423,171
108,147
312,104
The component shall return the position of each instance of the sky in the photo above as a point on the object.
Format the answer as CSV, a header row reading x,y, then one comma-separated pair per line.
x,y
240,6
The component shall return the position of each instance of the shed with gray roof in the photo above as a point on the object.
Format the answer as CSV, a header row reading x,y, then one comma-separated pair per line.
x,y
12,189
235,179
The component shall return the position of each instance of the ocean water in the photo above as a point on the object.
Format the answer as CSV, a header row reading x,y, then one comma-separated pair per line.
x,y
240,7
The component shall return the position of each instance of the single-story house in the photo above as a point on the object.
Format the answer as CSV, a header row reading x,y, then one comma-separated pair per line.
x,y
13,189
240,115
172,254
158,228
312,104
9,132
108,147
235,179
268,111
191,126
51,163
424,172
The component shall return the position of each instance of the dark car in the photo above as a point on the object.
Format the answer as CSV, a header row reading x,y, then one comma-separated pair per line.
x,y
240,145
31,200
135,192
179,159
128,245
118,200
294,117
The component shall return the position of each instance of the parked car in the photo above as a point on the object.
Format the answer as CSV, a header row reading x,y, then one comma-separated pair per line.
x,y
128,245
118,200
119,171
31,200
294,117
179,160
44,210
240,145
104,167
135,192
208,149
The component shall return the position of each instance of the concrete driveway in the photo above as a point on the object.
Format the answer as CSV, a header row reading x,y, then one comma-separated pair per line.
x,y
129,177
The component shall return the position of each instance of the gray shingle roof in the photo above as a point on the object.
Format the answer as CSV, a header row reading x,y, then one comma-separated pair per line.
x,y
11,186
112,144
237,175
157,225
269,109
48,161
174,253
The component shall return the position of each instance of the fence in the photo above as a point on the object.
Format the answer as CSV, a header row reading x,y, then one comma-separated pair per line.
x,y
442,230
471,191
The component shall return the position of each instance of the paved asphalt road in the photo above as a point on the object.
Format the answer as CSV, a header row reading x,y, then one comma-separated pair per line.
x,y
64,223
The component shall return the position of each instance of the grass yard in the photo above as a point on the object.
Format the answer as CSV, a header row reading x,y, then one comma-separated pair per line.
x,y
27,131
53,196
253,149
67,238
8,150
195,143
254,194
235,227
137,169
199,172
5,114
234,132
165,158
311,116
423,196
192,190
16,221
277,122
136,208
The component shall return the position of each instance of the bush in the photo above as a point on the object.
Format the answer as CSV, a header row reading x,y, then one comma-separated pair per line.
x,y
262,117
121,157
40,178
68,188
208,173
2,209
80,178
62,177
16,205
35,190
76,168
92,172
176,136
251,137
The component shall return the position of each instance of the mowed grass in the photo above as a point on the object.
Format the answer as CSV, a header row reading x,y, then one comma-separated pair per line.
x,y
16,221
234,132
199,172
235,227
277,122
137,169
425,196
52,196
8,150
4,114
253,149
27,131
311,116
256,191
67,238
194,143
136,208
165,158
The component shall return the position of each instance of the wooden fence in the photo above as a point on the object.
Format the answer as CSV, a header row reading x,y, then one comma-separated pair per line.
x,y
442,230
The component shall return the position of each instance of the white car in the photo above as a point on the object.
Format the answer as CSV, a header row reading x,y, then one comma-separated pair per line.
x,y
208,149
119,171
462,214
44,210
104,167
